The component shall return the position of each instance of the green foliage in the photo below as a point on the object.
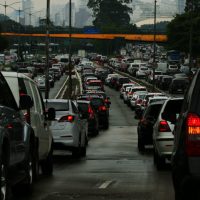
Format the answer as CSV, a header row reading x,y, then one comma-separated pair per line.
x,y
3,42
111,16
178,32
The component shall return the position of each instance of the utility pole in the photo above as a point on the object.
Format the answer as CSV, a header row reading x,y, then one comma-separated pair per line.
x,y
191,35
70,45
47,50
154,45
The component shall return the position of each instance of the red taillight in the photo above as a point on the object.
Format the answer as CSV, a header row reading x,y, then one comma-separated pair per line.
x,y
102,108
130,93
68,118
138,101
164,126
91,112
193,135
9,126
27,117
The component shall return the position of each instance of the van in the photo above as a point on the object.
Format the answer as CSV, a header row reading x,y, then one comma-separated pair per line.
x,y
37,117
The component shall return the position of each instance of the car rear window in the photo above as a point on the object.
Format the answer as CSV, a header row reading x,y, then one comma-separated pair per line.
x,y
58,106
83,107
173,108
96,102
153,110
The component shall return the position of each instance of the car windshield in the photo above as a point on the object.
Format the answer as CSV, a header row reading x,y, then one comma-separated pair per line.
x,y
58,106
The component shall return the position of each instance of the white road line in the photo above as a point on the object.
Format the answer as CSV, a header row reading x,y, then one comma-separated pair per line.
x,y
105,184
64,84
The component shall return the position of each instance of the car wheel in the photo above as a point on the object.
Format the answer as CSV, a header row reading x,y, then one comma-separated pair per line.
x,y
141,146
25,187
158,161
47,164
3,180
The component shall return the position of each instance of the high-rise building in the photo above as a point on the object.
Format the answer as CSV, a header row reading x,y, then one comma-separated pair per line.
x,y
66,14
181,6
58,21
27,7
81,17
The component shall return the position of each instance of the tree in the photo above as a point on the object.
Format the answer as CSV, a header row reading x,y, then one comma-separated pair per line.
x,y
111,16
3,42
178,31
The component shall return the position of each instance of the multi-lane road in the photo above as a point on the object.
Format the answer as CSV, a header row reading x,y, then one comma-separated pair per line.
x,y
112,170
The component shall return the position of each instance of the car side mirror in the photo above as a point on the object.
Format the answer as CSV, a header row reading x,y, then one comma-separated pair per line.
x,y
51,114
25,102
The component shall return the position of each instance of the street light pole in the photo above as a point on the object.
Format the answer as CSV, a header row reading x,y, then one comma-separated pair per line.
x,y
70,45
47,50
154,45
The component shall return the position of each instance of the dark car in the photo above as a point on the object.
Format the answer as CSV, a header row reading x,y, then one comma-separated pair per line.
x,y
165,82
146,123
178,85
120,81
186,153
17,157
93,122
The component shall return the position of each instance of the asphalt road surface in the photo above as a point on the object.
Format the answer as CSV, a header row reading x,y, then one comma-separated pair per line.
x,y
112,170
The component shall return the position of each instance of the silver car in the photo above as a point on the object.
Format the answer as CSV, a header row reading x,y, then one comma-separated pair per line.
x,y
163,138
69,129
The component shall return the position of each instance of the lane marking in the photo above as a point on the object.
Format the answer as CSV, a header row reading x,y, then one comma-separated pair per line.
x,y
105,184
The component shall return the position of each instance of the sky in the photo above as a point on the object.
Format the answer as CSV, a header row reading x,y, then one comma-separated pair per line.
x,y
38,4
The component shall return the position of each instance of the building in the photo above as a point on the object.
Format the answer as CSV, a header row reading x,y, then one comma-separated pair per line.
x,y
66,14
58,21
27,7
81,18
181,6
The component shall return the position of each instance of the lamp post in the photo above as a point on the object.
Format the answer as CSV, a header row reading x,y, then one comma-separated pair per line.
x,y
8,5
30,15
154,44
70,45
47,50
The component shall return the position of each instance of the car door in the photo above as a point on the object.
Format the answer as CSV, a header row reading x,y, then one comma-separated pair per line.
x,y
12,119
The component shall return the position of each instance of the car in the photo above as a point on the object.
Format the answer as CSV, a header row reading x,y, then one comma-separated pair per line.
x,y
86,109
69,129
132,90
178,85
17,143
146,123
123,88
120,81
40,81
165,82
185,159
108,78
137,98
37,117
99,105
95,83
163,137
26,72
142,72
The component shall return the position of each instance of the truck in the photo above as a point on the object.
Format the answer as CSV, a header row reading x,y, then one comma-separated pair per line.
x,y
82,53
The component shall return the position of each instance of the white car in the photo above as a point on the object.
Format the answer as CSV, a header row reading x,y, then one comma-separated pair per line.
x,y
123,88
163,138
107,80
136,96
37,117
142,72
40,81
69,129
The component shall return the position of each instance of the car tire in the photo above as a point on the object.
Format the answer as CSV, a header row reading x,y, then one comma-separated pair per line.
x,y
25,187
158,161
3,179
47,164
141,146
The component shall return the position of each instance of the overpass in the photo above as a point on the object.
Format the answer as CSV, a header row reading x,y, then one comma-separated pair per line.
x,y
133,37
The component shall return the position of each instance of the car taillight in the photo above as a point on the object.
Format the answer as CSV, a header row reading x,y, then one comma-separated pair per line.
x,y
68,118
130,93
91,112
163,126
193,135
27,117
138,101
9,126
102,108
